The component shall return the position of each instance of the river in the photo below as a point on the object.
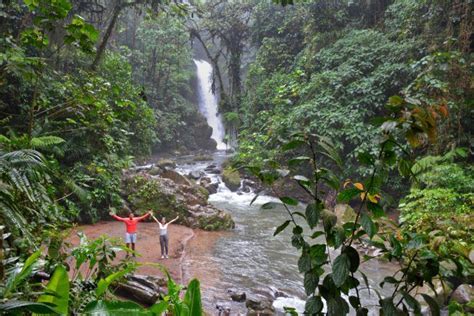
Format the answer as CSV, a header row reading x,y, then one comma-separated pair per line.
x,y
250,257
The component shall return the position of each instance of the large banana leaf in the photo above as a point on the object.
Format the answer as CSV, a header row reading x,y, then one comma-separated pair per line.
x,y
115,308
192,298
57,291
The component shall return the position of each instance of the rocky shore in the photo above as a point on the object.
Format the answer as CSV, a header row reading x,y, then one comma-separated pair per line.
x,y
161,188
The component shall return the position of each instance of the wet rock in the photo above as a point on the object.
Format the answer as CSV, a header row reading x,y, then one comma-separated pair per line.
x,y
137,292
211,188
149,281
189,201
237,295
463,294
223,308
154,171
166,163
231,178
277,292
195,175
202,157
214,171
176,177
258,302
265,312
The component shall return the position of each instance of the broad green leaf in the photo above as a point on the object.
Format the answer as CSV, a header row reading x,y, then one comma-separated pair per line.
x,y
388,307
347,195
297,161
293,144
312,213
289,201
14,307
354,300
281,227
318,253
354,258
337,306
192,298
412,302
104,284
159,308
304,262
313,305
58,286
434,307
17,277
368,225
115,308
376,209
310,282
340,269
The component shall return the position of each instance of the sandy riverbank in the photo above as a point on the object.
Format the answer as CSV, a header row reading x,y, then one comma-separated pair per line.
x,y
188,248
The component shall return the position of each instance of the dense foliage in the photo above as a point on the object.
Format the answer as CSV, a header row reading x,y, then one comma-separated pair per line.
x,y
367,101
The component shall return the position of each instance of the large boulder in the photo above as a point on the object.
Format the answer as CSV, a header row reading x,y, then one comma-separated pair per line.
x,y
463,294
170,198
231,178
176,177
166,163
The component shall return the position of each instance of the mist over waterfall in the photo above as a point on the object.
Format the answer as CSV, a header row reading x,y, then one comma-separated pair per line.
x,y
208,102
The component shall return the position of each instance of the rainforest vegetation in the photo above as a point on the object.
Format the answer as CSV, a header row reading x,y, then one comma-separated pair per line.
x,y
367,103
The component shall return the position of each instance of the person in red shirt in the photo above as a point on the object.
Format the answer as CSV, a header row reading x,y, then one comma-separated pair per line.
x,y
131,225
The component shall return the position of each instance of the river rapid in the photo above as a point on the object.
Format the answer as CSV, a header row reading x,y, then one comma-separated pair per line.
x,y
250,258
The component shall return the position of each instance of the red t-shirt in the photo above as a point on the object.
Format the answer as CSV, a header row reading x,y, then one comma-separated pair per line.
x,y
131,224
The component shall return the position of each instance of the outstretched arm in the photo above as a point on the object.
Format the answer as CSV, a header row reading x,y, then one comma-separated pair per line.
x,y
143,217
173,220
121,219
155,219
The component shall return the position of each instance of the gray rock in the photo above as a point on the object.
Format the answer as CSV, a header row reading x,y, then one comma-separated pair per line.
x,y
211,188
237,295
214,171
463,294
223,308
154,171
152,282
166,163
195,175
176,177
265,312
137,292
258,302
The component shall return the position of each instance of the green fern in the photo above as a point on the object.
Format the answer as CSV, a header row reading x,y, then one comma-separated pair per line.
x,y
45,142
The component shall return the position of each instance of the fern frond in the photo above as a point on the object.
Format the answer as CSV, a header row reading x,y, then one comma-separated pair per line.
x,y
44,142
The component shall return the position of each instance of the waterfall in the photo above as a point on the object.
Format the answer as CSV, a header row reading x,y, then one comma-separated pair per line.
x,y
208,102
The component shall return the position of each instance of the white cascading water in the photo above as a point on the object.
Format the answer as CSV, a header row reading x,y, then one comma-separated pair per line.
x,y
208,102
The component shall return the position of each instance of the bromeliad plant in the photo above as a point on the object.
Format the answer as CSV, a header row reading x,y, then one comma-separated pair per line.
x,y
338,254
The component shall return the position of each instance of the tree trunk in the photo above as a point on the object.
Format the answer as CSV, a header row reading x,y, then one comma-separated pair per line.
x,y
105,38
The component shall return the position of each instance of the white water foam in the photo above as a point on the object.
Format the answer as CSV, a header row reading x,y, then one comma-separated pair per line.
x,y
208,104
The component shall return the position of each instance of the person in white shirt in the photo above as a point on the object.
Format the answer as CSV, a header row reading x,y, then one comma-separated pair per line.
x,y
164,235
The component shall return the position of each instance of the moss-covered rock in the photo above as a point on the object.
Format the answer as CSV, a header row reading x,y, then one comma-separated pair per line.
x,y
170,199
231,178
